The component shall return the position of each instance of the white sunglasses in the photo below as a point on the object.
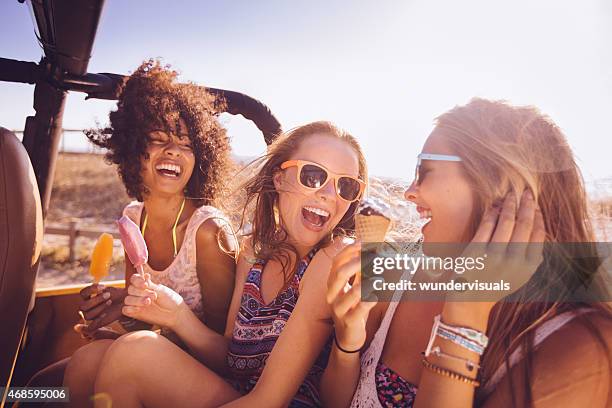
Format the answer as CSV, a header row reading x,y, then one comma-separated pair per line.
x,y
431,156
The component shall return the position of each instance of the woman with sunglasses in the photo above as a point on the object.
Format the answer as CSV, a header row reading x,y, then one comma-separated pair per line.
x,y
495,175
279,324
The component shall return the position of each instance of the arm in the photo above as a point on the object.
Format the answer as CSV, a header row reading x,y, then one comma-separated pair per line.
x,y
298,346
216,269
160,305
352,326
208,346
436,390
571,368
340,378
522,225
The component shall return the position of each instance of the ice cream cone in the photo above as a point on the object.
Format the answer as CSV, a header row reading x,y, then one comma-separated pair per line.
x,y
371,228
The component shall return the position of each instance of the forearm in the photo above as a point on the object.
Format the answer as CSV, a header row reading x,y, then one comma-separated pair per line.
x,y
340,378
436,390
206,345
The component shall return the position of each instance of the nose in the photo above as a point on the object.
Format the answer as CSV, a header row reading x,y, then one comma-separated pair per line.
x,y
172,149
328,191
411,194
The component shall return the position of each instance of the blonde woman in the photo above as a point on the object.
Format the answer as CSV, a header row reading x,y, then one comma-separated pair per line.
x,y
545,354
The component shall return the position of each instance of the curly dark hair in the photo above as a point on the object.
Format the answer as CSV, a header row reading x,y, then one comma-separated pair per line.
x,y
152,99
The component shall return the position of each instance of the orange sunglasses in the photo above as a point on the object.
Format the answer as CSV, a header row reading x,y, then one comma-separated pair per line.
x,y
313,176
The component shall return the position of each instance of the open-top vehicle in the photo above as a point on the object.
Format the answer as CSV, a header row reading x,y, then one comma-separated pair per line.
x,y
37,324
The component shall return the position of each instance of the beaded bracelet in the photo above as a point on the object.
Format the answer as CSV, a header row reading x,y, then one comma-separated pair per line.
x,y
450,374
460,341
436,351
479,337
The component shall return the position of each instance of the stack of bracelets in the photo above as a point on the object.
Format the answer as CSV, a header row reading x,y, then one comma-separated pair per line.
x,y
465,337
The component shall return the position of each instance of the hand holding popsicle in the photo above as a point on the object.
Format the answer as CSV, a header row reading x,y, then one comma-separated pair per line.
x,y
133,243
154,303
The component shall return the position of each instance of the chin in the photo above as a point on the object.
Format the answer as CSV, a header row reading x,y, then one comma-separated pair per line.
x,y
308,238
169,189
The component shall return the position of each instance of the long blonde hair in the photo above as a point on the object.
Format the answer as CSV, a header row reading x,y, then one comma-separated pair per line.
x,y
508,148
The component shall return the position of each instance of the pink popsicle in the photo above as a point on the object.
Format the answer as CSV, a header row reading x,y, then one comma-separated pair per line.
x,y
133,243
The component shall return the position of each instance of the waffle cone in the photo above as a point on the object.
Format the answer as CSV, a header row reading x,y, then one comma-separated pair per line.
x,y
371,228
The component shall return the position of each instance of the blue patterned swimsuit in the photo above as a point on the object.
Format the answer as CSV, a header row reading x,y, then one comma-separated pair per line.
x,y
258,326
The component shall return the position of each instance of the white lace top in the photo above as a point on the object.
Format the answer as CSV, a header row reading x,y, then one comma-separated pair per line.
x,y
366,395
181,275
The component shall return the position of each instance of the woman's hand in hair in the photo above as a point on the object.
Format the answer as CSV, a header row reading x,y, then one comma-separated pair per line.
x,y
510,240
153,303
349,311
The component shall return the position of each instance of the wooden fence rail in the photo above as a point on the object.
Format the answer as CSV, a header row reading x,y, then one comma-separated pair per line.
x,y
73,231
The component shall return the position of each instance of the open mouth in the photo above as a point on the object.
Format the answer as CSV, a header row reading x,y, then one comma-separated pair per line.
x,y
315,216
169,170
424,215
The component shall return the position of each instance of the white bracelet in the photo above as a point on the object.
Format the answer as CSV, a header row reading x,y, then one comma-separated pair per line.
x,y
460,341
474,335
454,334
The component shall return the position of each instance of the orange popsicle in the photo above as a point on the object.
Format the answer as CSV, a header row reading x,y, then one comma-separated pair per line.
x,y
101,257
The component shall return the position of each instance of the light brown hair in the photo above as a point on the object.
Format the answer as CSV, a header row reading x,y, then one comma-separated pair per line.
x,y
508,148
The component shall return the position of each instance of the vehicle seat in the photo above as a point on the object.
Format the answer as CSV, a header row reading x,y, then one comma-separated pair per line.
x,y
21,232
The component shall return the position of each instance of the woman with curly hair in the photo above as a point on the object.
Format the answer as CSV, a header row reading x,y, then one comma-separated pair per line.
x,y
173,158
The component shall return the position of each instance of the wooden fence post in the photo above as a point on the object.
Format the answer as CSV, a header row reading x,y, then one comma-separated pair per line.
x,y
72,235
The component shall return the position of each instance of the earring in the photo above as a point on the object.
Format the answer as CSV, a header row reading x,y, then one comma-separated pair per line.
x,y
275,210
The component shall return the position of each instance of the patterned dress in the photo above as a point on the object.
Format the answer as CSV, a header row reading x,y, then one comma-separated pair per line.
x,y
258,326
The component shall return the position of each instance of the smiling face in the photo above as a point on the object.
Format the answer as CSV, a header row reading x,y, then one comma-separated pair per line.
x,y
309,215
443,195
170,161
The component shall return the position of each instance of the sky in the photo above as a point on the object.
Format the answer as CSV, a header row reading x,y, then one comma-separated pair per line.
x,y
382,70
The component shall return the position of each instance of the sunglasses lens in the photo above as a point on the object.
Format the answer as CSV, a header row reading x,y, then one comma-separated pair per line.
x,y
348,188
313,176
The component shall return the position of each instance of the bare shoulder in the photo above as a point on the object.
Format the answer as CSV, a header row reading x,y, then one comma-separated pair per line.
x,y
570,368
217,231
575,356
590,333
247,251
